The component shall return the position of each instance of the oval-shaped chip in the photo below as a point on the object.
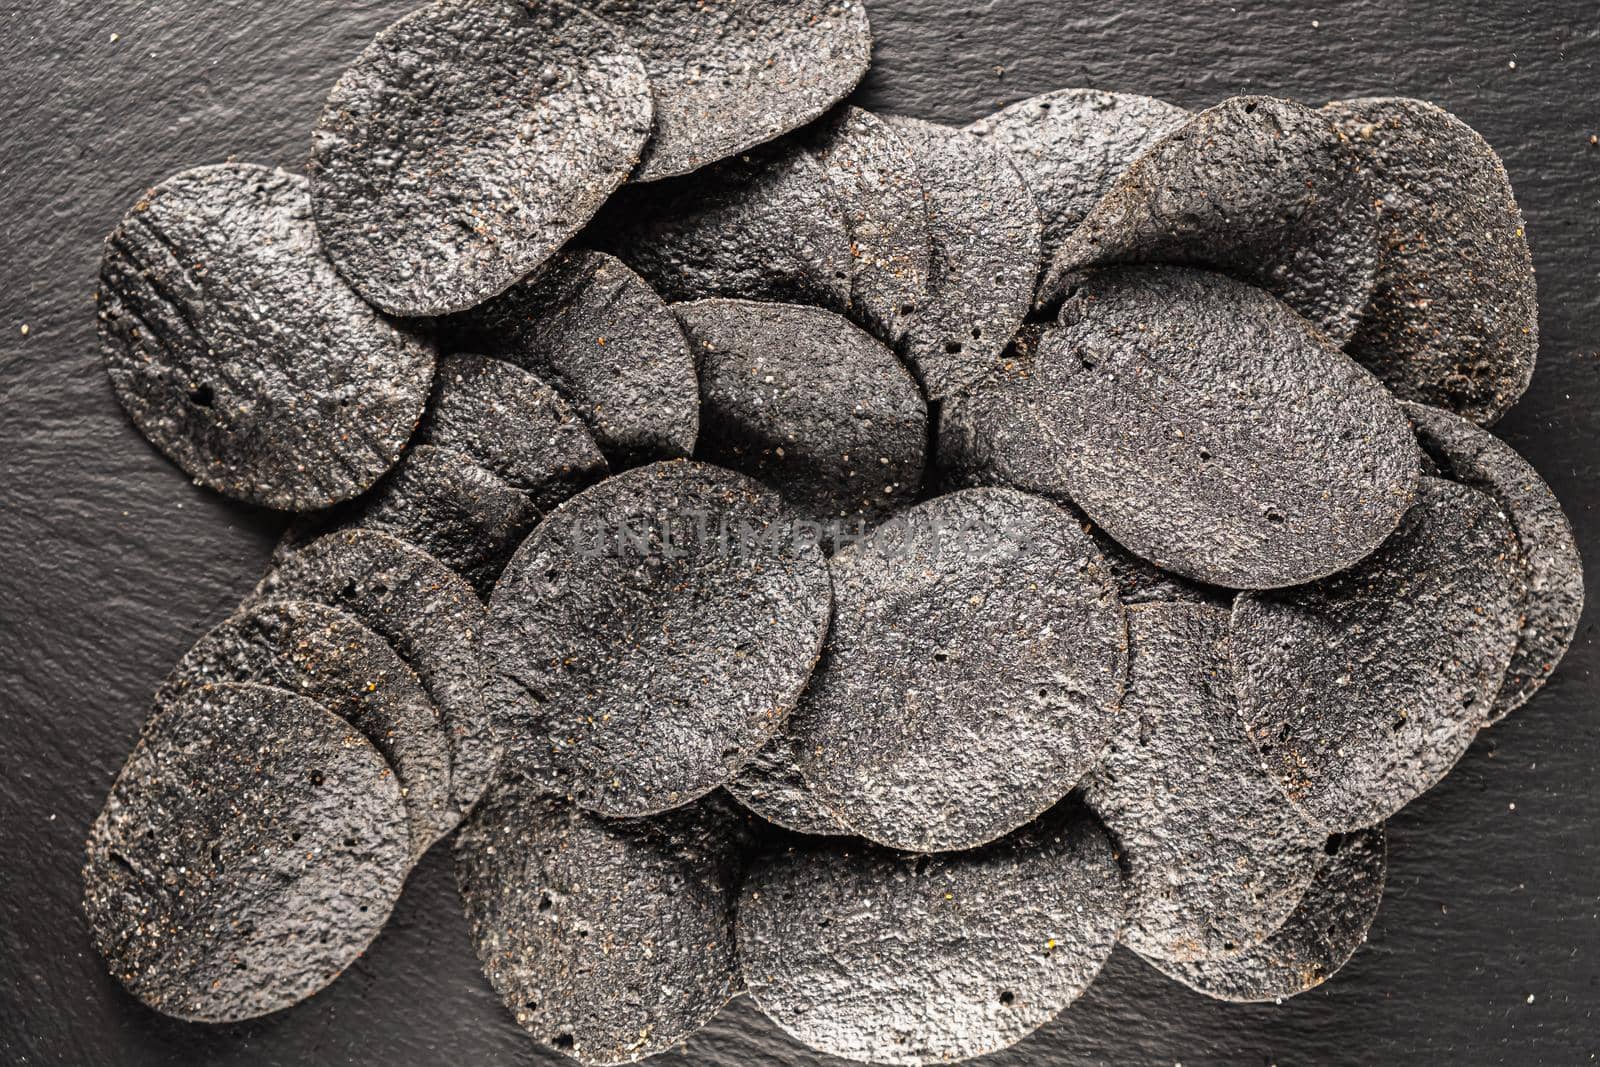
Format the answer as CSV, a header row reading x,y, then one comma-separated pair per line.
x,y
972,674
594,330
804,401
1454,320
328,657
1071,145
984,231
609,940
467,143
239,352
208,916
1325,930
888,958
1362,690
428,614
1260,188
1210,430
1553,567
1217,857
728,76
653,633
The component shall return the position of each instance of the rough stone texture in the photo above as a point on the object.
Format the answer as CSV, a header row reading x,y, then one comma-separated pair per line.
x,y
431,617
873,174
971,675
512,424
653,634
328,657
1216,855
1071,145
889,958
116,563
1209,430
763,225
1553,570
594,330
1454,320
984,231
608,939
212,917
1362,690
810,405
1324,931
726,77
467,143
1261,188
240,353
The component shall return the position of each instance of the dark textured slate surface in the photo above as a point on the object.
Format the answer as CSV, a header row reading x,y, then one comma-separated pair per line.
x,y
115,564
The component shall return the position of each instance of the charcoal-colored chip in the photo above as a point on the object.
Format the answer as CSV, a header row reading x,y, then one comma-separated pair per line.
x,y
653,633
984,231
1454,320
888,958
460,514
1072,144
873,174
727,77
608,939
1553,569
513,425
1362,690
971,676
1256,187
431,617
241,354
1210,430
326,656
1324,931
799,398
468,142
772,786
764,225
1216,855
249,851
594,330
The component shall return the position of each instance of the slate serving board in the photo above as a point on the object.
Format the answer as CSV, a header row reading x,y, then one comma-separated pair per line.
x,y
1487,948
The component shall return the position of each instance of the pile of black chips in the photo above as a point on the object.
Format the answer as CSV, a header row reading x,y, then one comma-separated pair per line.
x,y
871,564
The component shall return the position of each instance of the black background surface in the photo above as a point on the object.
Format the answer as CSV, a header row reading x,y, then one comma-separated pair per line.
x,y
1487,948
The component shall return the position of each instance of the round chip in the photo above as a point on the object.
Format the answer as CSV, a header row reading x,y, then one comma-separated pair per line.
x,y
653,633
608,939
250,850
594,330
1553,569
888,958
240,353
727,77
430,616
1072,144
984,231
467,143
1362,690
1454,320
971,676
802,400
460,514
1210,430
1256,187
764,225
1321,935
1217,857
513,425
328,657
990,433
772,786
873,174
